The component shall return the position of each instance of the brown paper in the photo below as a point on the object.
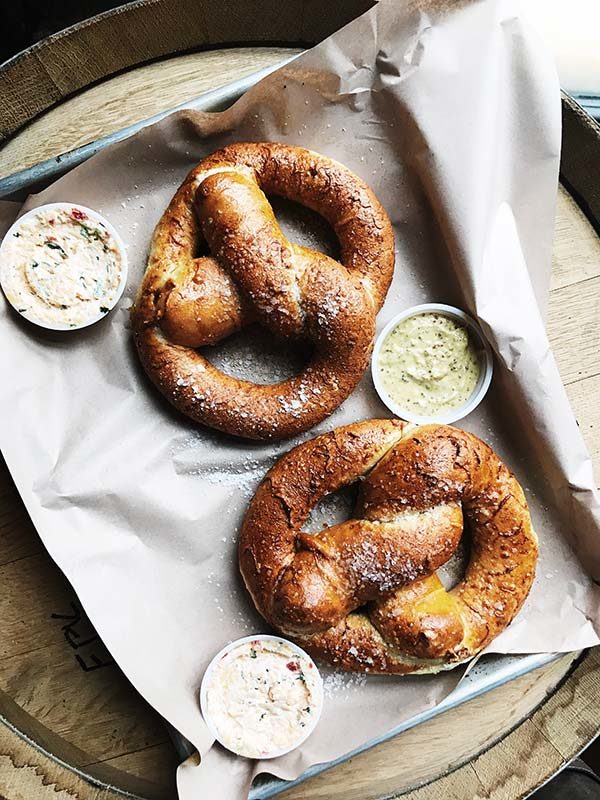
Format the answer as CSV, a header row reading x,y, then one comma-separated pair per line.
x,y
454,120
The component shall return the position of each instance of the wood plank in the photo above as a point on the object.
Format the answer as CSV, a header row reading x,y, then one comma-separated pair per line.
x,y
576,255
399,763
129,98
571,715
458,785
100,717
144,31
525,759
535,750
46,745
157,764
25,614
573,329
59,673
585,401
18,537
28,774
574,307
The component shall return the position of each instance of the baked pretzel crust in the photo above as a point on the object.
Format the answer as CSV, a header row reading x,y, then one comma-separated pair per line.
x,y
255,274
363,594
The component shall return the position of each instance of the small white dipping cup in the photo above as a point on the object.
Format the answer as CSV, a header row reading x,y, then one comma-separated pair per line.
x,y
94,215
486,364
261,637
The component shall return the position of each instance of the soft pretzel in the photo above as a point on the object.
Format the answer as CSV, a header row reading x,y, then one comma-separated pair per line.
x,y
256,274
364,594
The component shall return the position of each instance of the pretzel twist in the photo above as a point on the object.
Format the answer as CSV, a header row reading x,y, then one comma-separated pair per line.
x,y
364,594
256,274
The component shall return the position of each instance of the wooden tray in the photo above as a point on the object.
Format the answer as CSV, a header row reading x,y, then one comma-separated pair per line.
x,y
56,685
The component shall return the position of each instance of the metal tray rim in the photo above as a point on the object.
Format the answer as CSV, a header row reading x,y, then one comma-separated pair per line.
x,y
467,690
496,675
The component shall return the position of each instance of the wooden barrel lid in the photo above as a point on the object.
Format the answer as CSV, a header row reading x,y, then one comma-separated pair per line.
x,y
72,722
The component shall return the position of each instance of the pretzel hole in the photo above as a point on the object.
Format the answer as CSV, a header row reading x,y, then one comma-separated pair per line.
x,y
305,227
332,509
255,355
453,571
201,247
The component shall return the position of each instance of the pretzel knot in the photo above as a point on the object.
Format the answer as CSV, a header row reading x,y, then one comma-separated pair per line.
x,y
255,274
364,594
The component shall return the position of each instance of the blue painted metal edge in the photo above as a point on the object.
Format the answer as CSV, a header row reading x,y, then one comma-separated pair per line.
x,y
589,102
504,668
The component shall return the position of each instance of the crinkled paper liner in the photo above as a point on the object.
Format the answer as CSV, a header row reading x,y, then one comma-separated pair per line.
x,y
454,119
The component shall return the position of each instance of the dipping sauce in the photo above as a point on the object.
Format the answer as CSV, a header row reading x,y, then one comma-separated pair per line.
x,y
428,364
262,697
61,267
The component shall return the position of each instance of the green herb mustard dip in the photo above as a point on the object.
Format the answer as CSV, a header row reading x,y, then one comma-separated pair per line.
x,y
428,364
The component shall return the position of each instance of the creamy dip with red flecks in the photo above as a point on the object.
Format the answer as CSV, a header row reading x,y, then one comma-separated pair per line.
x,y
61,267
262,697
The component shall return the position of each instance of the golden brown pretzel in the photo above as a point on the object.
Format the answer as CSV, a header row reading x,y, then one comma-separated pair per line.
x,y
417,481
255,273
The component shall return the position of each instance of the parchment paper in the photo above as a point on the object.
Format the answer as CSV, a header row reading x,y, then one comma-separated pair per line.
x,y
454,120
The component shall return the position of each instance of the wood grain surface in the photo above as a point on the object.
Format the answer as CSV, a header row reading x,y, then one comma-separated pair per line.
x,y
125,99
58,685
141,31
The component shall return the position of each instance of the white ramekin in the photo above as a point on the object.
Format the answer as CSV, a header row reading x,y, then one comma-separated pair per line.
x,y
261,637
118,241
486,365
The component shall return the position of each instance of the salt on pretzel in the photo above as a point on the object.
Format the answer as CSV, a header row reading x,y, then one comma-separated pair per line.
x,y
253,273
364,594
